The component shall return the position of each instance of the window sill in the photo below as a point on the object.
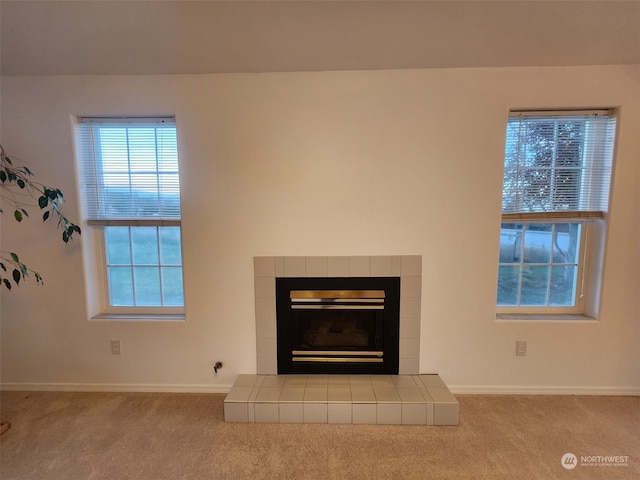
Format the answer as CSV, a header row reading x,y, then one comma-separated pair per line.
x,y
538,317
140,317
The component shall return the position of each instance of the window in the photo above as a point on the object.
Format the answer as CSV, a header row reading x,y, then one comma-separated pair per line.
x,y
131,194
557,172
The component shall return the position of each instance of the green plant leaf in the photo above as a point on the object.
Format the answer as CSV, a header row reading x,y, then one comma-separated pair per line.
x,y
46,215
27,171
24,212
16,275
7,283
43,201
4,269
15,257
21,183
18,215
3,176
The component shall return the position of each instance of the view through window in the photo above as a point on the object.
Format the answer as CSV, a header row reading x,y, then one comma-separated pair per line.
x,y
130,185
557,172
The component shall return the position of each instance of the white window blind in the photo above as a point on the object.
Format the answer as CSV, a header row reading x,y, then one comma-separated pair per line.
x,y
558,162
129,169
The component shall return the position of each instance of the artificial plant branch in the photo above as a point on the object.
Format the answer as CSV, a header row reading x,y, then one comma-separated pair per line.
x,y
18,189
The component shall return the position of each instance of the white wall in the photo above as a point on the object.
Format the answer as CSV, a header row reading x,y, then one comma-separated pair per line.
x,y
333,163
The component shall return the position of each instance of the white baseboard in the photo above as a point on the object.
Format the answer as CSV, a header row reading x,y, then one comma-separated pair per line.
x,y
455,389
542,390
113,387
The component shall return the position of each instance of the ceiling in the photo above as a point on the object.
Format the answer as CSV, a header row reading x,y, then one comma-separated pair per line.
x,y
176,37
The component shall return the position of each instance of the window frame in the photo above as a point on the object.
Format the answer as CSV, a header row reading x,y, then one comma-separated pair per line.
x,y
591,242
579,299
96,270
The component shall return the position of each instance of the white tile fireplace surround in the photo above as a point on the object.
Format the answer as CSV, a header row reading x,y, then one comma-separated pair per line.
x,y
407,267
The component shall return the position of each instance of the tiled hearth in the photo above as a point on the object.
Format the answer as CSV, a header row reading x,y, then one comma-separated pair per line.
x,y
351,399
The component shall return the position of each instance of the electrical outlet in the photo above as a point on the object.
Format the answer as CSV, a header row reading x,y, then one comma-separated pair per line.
x,y
115,347
521,348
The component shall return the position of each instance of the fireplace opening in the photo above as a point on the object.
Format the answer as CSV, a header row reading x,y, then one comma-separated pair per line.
x,y
338,325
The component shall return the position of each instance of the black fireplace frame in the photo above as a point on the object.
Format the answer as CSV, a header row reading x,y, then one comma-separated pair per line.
x,y
390,341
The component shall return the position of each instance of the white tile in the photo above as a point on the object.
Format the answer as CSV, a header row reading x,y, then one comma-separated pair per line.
x,y
446,414
430,414
425,394
266,307
409,327
317,380
266,412
411,395
267,366
414,414
264,287
268,394
236,412
411,287
266,327
338,381
279,264
411,265
441,395
256,389
246,380
364,413
382,381
360,380
295,380
266,347
360,266
362,394
294,266
405,381
396,266
339,394
409,347
292,394
273,381
389,414
386,394
315,413
382,266
316,266
338,266
410,307
264,267
315,394
430,381
339,413
445,406
409,366
238,394
291,413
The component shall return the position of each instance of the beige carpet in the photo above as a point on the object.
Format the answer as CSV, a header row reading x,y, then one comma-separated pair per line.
x,y
182,436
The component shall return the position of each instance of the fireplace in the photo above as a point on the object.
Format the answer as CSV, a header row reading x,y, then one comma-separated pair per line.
x,y
338,325
267,269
